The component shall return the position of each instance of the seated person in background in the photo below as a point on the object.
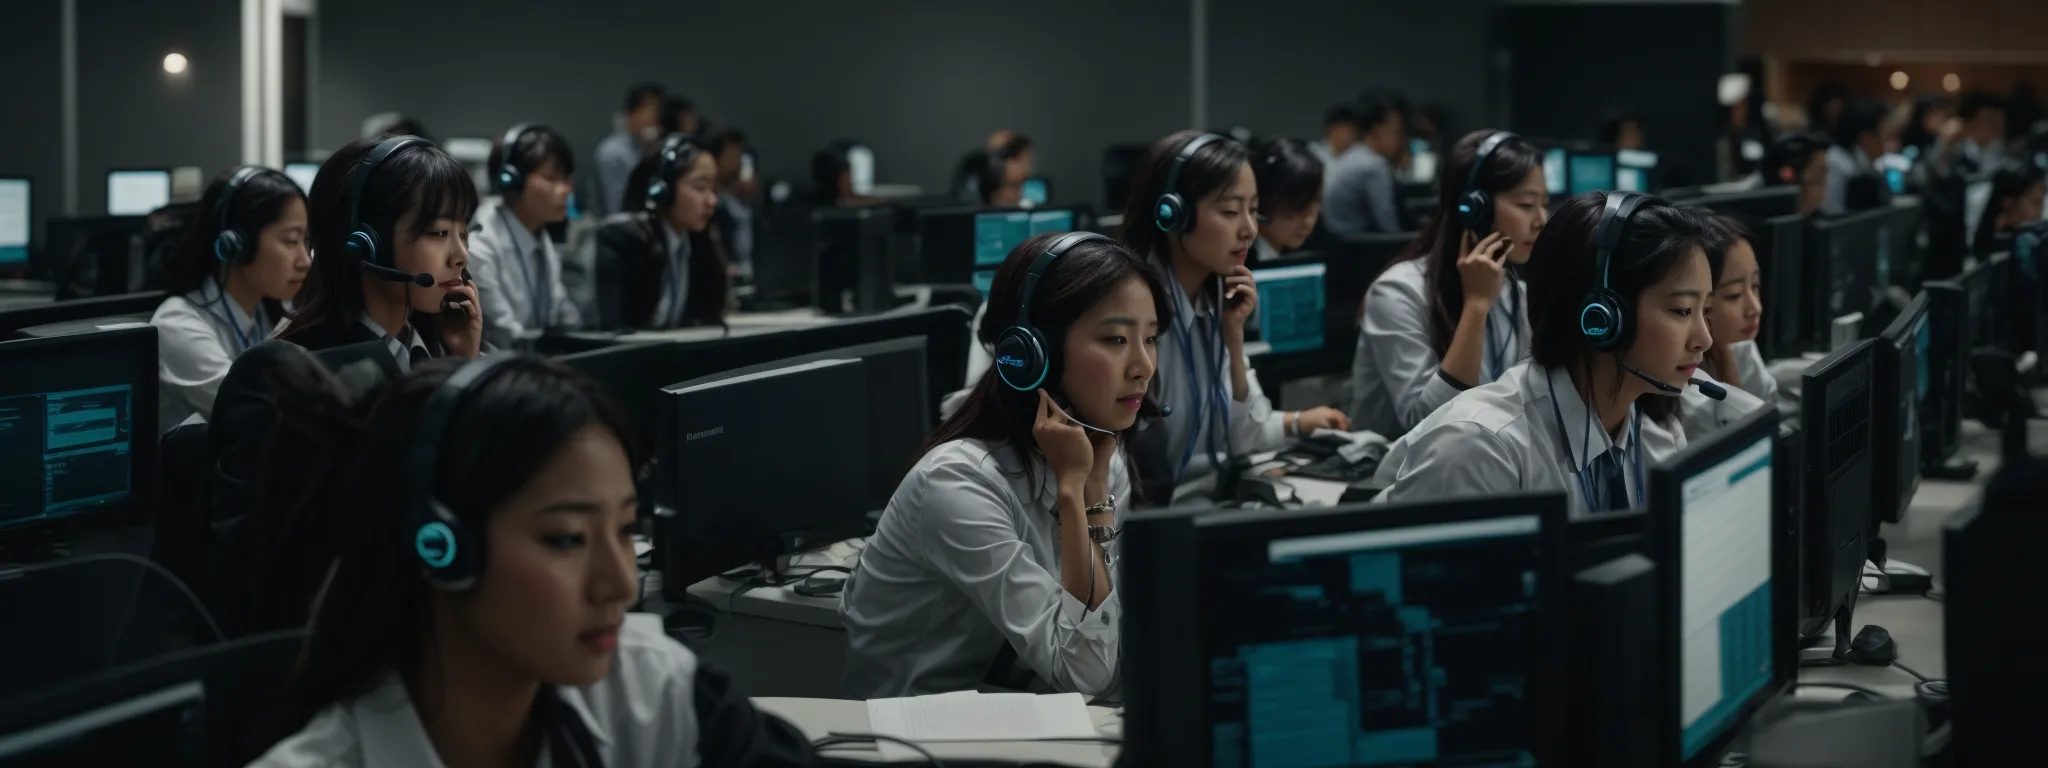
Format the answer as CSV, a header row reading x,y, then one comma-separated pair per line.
x,y
474,621
1617,291
1736,314
1623,130
1290,182
1800,159
737,187
1358,186
2017,191
999,174
658,266
617,154
390,221
998,547
243,255
511,255
678,115
1859,140
832,179
1451,315
1342,125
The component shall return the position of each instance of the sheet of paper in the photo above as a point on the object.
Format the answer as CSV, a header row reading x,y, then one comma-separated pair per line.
x,y
972,716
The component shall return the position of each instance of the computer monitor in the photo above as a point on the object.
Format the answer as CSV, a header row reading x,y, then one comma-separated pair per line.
x,y
1902,380
1554,175
1835,411
1599,538
1037,190
1987,553
77,430
860,167
632,376
1613,588
1400,634
1716,541
1902,257
2030,289
1941,413
1780,250
968,245
15,220
1981,284
1635,170
750,484
1759,203
1589,172
1118,162
1848,266
137,192
1290,313
303,174
854,271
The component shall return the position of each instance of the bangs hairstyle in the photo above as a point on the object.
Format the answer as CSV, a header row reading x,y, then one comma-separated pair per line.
x,y
1213,168
375,613
422,179
1734,229
257,204
1563,268
1290,177
1074,283
1511,162
537,145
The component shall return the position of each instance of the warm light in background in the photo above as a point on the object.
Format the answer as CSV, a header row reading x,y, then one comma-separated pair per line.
x,y
1873,60
175,63
1951,83
1900,80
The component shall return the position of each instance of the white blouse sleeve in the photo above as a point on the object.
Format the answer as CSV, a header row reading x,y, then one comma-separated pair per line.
x,y
1396,334
1458,458
191,358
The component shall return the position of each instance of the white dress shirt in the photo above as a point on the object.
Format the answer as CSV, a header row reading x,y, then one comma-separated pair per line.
x,y
1396,378
518,277
675,281
964,560
401,348
641,714
1507,437
198,336
1193,378
1704,415
1756,373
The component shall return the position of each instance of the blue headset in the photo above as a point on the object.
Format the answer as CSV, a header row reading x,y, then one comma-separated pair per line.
x,y
509,178
364,245
678,151
1603,317
450,553
1171,212
230,243
1475,207
1023,357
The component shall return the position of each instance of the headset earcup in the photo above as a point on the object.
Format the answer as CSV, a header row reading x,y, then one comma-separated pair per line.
x,y
1475,211
508,179
450,557
1603,320
362,245
1169,213
655,192
1020,358
227,246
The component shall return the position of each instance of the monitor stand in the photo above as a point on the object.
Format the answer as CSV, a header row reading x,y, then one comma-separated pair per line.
x,y
1894,577
1813,651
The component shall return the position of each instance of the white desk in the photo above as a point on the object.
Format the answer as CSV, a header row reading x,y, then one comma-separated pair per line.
x,y
818,718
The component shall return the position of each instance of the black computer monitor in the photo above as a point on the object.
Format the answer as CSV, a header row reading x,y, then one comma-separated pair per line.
x,y
1119,161
1351,265
1780,252
1906,261
137,191
1941,413
2029,296
1599,538
1419,634
1037,190
1842,266
1987,553
1723,598
1835,410
1613,588
77,430
1589,171
1759,203
749,483
1982,284
632,376
968,244
67,239
16,220
1901,381
854,271
1291,302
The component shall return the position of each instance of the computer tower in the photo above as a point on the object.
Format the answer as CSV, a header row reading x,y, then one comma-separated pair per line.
x,y
1614,679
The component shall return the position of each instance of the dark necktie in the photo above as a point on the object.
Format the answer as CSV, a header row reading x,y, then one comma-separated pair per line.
x,y
1609,482
419,356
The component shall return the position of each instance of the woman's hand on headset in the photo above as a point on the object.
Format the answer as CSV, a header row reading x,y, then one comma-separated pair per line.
x,y
462,327
1481,268
1065,446
1240,300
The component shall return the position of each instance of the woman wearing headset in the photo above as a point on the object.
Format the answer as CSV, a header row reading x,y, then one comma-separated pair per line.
x,y
470,621
1617,292
1290,183
1191,216
657,265
228,280
390,227
513,258
2017,191
1453,314
998,546
1736,315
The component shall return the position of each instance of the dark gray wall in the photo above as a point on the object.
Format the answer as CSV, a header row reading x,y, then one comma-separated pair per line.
x,y
32,134
1275,67
131,114
921,88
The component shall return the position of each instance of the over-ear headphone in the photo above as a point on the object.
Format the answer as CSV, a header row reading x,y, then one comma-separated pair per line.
x,y
230,243
1475,207
509,178
364,245
678,151
1024,358
1604,317
450,553
1171,212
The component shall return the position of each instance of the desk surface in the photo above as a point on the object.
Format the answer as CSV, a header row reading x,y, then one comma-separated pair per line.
x,y
818,718
783,603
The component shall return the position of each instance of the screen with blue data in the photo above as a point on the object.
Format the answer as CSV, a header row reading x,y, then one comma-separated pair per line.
x,y
1590,173
1394,646
1036,192
997,233
1291,307
1553,171
1725,593
14,221
64,451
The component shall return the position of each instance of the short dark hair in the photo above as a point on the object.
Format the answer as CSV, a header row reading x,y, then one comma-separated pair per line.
x,y
673,108
1375,110
1978,101
643,92
1610,129
537,145
1290,177
1791,151
1344,113
1858,118
724,138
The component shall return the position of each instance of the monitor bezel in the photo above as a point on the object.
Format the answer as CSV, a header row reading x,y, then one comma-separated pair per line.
x,y
1816,517
1889,502
134,342
28,246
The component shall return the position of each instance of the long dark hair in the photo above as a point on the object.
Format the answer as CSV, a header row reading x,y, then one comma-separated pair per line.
x,y
1733,230
257,204
2011,181
706,302
374,615
1075,282
1213,167
420,178
1510,163
1563,266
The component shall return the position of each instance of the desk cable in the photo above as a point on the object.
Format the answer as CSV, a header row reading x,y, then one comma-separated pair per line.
x,y
200,607
753,578
837,739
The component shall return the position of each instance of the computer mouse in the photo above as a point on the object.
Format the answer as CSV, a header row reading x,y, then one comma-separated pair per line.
x,y
1873,647
1265,492
1859,697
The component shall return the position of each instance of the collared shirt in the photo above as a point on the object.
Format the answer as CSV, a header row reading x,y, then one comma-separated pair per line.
x,y
518,277
642,713
1704,415
198,336
1321,149
1756,373
1508,437
675,280
402,349
1358,194
1843,164
1397,378
616,156
1193,377
964,560
1263,252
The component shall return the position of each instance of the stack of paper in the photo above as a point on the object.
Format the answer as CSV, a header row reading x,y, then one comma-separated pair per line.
x,y
976,716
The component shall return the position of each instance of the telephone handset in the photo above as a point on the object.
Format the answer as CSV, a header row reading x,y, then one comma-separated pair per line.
x,y
452,301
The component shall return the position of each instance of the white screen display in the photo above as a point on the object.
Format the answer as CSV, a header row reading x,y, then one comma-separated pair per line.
x,y
135,193
1725,597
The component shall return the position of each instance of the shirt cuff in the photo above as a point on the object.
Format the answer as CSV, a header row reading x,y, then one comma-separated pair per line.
x,y
1451,380
1095,625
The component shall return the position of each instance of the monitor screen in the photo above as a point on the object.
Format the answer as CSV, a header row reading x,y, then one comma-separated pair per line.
x,y
860,164
303,174
1553,171
135,193
160,727
1291,307
1381,646
1590,173
1725,628
74,422
1037,191
997,233
14,221
1631,180
1635,158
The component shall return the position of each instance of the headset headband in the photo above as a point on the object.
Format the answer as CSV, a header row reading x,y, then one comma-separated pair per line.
x,y
438,537
1181,158
1479,158
1042,263
1613,222
223,205
359,176
511,140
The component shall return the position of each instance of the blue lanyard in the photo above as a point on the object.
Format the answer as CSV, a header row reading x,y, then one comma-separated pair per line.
x,y
1593,497
1197,424
226,315
1497,354
541,303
